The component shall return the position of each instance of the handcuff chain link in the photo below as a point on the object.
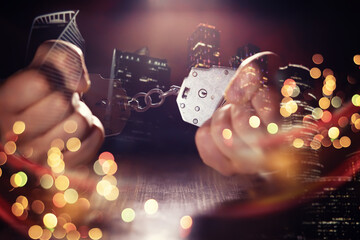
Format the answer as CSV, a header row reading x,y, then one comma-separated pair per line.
x,y
135,105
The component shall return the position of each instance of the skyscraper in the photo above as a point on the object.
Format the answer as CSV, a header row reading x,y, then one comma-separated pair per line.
x,y
242,53
204,47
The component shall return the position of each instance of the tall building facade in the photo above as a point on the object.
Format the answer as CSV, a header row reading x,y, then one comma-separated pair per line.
x,y
138,72
204,47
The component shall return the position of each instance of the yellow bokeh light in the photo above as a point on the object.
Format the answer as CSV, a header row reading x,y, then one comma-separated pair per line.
x,y
227,134
46,235
356,59
10,147
327,72
50,220
186,222
151,206
356,100
35,232
354,117
109,167
128,215
18,179
315,72
254,121
287,90
46,181
284,112
62,182
112,194
298,143
317,58
54,159
345,141
18,127
324,103
70,126
336,102
3,158
69,227
58,143
17,209
291,106
0,172
111,179
23,201
59,168
73,235
333,132
357,124
71,196
272,128
98,168
59,233
38,206
103,187
326,92
73,144
317,113
95,233
336,144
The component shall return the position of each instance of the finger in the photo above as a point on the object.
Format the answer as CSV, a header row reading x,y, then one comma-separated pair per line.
x,y
63,64
89,146
209,152
77,125
22,90
250,76
266,103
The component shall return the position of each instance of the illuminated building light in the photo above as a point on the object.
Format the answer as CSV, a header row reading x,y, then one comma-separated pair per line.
x,y
343,121
38,206
324,103
18,127
151,206
59,200
298,143
227,134
95,233
356,100
333,132
186,222
326,117
10,147
18,179
23,201
272,128
35,232
71,196
46,181
317,113
17,209
336,144
62,182
73,144
58,143
128,215
336,102
254,121
317,59
70,126
356,59
3,158
315,72
345,141
73,235
50,220
327,71
46,235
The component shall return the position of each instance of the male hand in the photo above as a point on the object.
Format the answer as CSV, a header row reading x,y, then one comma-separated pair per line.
x,y
227,142
45,97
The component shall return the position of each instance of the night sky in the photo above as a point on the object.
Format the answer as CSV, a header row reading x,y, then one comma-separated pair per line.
x,y
293,29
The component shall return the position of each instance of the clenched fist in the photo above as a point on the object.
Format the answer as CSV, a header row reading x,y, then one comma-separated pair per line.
x,y
44,98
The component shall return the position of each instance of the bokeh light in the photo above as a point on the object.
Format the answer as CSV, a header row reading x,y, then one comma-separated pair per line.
x,y
254,121
18,127
46,181
23,201
317,58
356,59
356,100
71,196
46,235
336,102
62,182
298,143
345,141
343,121
35,232
109,167
317,113
326,116
70,126
227,134
10,147
333,132
128,215
272,128
186,222
18,179
17,209
324,103
50,220
3,158
315,72
95,233
73,235
38,206
58,143
151,206
112,194
73,144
